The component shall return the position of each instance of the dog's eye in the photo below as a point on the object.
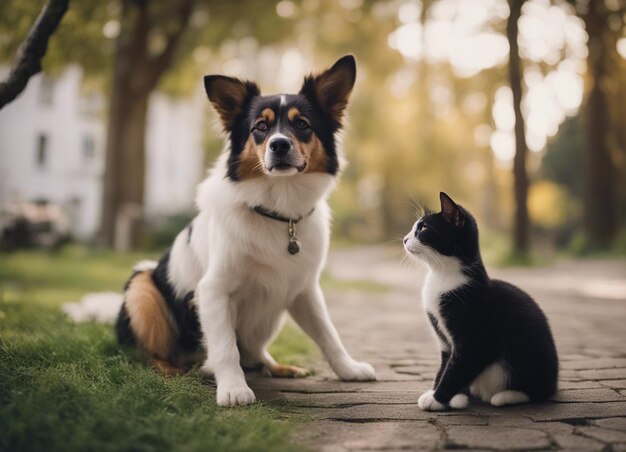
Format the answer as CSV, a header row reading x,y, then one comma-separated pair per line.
x,y
301,124
261,126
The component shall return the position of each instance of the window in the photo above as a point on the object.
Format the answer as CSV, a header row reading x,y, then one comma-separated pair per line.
x,y
42,150
89,147
46,90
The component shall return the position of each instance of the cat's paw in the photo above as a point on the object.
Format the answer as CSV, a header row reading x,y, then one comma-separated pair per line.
x,y
459,402
509,398
427,402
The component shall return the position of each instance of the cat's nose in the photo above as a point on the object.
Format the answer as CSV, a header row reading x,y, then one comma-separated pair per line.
x,y
406,239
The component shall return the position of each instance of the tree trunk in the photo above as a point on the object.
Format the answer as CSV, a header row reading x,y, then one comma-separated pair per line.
x,y
521,225
601,194
136,75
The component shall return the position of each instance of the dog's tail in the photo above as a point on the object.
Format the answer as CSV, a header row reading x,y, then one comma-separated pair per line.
x,y
144,320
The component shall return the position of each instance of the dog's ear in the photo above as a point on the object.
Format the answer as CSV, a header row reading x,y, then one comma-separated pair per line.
x,y
229,96
331,89
451,212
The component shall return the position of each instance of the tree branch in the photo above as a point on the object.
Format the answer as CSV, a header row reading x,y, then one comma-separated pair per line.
x,y
32,50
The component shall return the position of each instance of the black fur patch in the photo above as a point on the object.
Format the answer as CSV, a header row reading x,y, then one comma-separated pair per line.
x,y
183,310
123,330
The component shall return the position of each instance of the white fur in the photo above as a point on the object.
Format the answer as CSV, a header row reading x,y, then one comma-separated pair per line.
x,y
459,402
245,279
146,265
444,275
427,402
490,381
101,307
509,398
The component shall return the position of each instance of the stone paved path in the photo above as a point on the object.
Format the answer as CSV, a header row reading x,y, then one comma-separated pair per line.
x,y
585,302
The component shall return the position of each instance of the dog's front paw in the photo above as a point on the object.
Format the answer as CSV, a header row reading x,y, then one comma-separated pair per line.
x,y
357,371
427,402
234,394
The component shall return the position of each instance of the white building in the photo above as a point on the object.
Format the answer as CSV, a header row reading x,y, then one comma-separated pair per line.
x,y
52,144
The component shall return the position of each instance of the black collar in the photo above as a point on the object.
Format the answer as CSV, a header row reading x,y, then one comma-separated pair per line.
x,y
278,217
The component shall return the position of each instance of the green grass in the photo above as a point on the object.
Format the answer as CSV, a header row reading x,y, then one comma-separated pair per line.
x,y
66,386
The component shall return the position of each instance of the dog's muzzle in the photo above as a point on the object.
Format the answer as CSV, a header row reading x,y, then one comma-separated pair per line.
x,y
281,156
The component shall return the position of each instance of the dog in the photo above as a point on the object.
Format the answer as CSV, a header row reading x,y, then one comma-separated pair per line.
x,y
257,246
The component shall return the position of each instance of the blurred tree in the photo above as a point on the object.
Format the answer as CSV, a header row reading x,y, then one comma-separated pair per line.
x,y
521,224
30,53
604,22
148,39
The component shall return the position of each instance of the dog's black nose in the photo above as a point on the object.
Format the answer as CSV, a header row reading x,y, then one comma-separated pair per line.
x,y
280,146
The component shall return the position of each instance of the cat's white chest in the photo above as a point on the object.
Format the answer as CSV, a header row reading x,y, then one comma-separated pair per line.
x,y
439,281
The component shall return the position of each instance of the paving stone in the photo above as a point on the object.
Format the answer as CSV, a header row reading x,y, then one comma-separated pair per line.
x,y
603,434
615,423
569,441
344,398
371,412
588,395
509,420
553,428
594,363
500,438
603,374
584,384
340,436
462,420
307,385
615,384
559,411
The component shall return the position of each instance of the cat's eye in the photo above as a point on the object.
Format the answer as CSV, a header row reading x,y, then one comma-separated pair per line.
x,y
421,227
261,126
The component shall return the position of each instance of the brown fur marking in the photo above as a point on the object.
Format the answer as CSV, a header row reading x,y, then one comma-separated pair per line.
x,y
293,113
148,316
165,368
251,160
269,115
315,155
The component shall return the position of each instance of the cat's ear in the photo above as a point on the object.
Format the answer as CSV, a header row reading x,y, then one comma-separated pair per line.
x,y
229,96
451,212
331,89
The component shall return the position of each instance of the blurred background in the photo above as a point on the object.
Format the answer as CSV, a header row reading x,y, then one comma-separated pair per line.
x,y
517,109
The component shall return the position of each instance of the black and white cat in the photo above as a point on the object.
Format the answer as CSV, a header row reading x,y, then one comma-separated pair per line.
x,y
495,340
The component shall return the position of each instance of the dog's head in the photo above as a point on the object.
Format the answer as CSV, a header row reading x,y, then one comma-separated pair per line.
x,y
286,134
